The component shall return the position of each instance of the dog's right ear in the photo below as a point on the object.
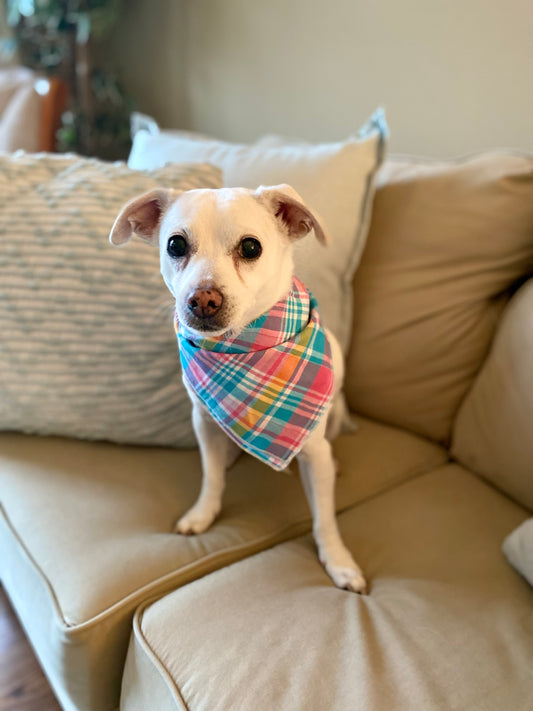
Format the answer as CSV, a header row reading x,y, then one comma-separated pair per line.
x,y
142,216
291,212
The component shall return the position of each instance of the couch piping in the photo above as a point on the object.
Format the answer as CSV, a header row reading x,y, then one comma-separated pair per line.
x,y
140,638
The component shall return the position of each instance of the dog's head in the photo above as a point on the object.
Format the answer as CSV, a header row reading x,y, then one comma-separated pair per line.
x,y
226,255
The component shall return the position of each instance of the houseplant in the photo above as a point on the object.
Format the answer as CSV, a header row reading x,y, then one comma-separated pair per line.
x,y
58,37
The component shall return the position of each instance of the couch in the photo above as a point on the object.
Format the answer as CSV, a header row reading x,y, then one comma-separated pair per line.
x,y
436,478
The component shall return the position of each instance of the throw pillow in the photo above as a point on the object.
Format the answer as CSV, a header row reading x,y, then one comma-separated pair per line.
x,y
518,549
335,179
446,244
88,347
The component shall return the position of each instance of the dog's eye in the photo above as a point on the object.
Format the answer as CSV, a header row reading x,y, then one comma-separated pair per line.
x,y
177,246
250,248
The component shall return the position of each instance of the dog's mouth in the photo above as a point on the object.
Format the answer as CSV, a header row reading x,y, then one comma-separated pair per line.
x,y
212,326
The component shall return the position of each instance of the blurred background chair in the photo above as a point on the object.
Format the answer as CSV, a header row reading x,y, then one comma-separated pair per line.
x,y
30,110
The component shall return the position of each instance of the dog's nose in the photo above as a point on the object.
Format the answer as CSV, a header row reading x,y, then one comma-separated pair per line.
x,y
204,303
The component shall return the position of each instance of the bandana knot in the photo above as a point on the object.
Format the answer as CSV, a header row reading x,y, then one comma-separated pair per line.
x,y
268,386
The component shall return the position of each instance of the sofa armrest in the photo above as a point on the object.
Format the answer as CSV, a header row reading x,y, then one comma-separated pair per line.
x,y
493,431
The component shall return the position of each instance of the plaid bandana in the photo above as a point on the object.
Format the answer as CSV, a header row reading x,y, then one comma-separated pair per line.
x,y
268,386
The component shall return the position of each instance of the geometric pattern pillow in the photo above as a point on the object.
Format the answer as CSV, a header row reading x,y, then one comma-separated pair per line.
x,y
87,346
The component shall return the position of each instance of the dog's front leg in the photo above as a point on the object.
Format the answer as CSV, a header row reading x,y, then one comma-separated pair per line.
x,y
317,471
214,451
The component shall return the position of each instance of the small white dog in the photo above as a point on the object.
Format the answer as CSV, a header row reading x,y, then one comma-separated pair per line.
x,y
226,256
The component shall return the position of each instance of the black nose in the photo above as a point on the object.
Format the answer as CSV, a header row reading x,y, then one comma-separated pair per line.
x,y
204,303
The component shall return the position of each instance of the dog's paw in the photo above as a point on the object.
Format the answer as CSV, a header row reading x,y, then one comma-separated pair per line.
x,y
344,571
195,521
350,578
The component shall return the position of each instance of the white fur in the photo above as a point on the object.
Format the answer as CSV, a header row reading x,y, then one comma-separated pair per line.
x,y
214,222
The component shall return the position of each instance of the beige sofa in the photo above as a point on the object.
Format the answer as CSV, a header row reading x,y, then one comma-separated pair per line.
x,y
436,477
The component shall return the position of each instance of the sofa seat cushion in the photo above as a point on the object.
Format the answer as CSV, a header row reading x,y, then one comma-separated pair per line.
x,y
86,535
447,624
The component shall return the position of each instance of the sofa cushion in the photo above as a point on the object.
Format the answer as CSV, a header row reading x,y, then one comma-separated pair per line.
x,y
493,429
86,535
88,344
446,242
335,179
447,624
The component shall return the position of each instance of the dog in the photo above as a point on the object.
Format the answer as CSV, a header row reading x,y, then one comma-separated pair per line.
x,y
226,257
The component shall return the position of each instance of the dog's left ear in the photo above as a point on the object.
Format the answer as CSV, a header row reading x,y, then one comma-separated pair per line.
x,y
289,209
142,216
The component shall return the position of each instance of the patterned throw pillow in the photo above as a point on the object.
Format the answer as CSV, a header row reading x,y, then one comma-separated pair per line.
x,y
87,344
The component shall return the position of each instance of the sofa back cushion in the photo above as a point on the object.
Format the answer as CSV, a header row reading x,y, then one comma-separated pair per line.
x,y
446,243
494,427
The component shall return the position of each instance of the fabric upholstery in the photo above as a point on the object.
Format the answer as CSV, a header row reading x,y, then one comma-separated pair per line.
x,y
86,535
334,179
446,243
494,426
88,346
447,623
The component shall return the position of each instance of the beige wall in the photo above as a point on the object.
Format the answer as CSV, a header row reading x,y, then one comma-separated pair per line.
x,y
454,75
148,51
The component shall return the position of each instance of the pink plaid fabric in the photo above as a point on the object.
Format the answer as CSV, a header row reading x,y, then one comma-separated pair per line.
x,y
268,386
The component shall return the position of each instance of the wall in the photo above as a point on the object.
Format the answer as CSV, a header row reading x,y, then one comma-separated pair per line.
x,y
148,52
454,76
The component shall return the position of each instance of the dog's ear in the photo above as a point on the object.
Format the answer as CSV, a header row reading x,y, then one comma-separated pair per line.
x,y
142,216
289,209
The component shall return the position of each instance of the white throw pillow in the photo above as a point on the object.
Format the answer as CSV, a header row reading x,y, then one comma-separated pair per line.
x,y
335,179
88,347
518,549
